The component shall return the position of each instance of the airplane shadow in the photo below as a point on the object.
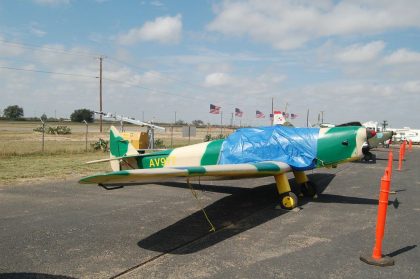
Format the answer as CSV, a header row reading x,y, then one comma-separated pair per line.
x,y
232,215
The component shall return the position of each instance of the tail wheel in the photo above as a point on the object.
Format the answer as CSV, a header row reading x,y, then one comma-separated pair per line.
x,y
308,189
288,200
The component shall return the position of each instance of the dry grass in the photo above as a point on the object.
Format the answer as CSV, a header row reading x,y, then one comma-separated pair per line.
x,y
21,159
48,167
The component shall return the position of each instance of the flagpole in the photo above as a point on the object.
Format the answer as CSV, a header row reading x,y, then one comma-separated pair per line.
x,y
221,122
307,118
231,120
272,111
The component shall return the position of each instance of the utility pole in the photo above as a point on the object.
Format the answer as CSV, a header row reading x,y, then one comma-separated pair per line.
x,y
100,92
384,125
322,116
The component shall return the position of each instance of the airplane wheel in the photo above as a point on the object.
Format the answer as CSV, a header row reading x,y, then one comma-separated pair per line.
x,y
288,200
308,189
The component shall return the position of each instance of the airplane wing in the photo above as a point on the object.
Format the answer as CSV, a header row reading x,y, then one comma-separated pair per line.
x,y
228,170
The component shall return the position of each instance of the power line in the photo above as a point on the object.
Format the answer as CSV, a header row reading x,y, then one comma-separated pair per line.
x,y
113,80
158,91
90,55
153,90
49,49
46,72
171,79
158,76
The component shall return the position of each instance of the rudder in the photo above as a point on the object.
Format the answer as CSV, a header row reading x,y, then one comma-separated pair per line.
x,y
119,147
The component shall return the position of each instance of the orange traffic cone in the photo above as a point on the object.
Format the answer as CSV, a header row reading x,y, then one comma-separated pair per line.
x,y
390,161
404,148
377,258
400,157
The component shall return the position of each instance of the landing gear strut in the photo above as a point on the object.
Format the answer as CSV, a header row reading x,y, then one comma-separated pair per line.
x,y
308,189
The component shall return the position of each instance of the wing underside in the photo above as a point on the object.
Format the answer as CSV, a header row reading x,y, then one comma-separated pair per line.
x,y
216,171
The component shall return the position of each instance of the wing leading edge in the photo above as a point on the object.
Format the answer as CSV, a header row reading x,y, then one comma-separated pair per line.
x,y
230,170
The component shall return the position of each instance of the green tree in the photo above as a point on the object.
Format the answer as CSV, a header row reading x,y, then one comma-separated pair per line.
x,y
44,117
13,112
198,123
82,114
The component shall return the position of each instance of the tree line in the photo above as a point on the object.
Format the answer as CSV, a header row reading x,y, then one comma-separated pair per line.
x,y
15,112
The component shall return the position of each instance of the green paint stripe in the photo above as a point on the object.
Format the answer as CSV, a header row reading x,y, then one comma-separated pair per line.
x,y
196,170
117,145
266,167
211,155
154,160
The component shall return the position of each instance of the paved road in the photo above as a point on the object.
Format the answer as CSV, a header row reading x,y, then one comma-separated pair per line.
x,y
66,230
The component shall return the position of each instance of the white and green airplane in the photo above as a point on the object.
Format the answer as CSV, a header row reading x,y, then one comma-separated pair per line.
x,y
248,152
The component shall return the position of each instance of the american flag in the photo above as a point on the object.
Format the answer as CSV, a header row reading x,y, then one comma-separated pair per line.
x,y
238,112
293,116
259,114
214,109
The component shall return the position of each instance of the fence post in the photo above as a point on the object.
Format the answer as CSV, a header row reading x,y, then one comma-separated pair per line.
x,y
43,135
86,135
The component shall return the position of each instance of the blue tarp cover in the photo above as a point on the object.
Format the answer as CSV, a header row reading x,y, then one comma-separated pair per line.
x,y
294,146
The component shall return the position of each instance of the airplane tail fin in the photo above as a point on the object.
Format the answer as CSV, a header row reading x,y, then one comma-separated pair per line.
x,y
119,147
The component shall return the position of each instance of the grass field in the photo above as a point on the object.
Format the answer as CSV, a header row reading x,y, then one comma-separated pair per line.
x,y
21,159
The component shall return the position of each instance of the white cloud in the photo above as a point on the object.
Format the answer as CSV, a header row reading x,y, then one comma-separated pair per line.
x,y
166,30
287,24
360,53
34,28
217,79
10,49
156,3
271,79
403,56
411,86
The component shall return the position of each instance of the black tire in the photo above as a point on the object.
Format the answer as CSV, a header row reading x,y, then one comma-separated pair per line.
x,y
308,189
288,200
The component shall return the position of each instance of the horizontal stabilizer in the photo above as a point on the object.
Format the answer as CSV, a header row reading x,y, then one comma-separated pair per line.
x,y
115,158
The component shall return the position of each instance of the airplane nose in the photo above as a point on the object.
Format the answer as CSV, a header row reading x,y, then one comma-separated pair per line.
x,y
370,133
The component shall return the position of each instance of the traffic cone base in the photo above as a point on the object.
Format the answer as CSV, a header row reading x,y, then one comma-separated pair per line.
x,y
383,261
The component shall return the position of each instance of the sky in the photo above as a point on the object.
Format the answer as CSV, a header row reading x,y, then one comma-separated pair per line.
x,y
354,60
